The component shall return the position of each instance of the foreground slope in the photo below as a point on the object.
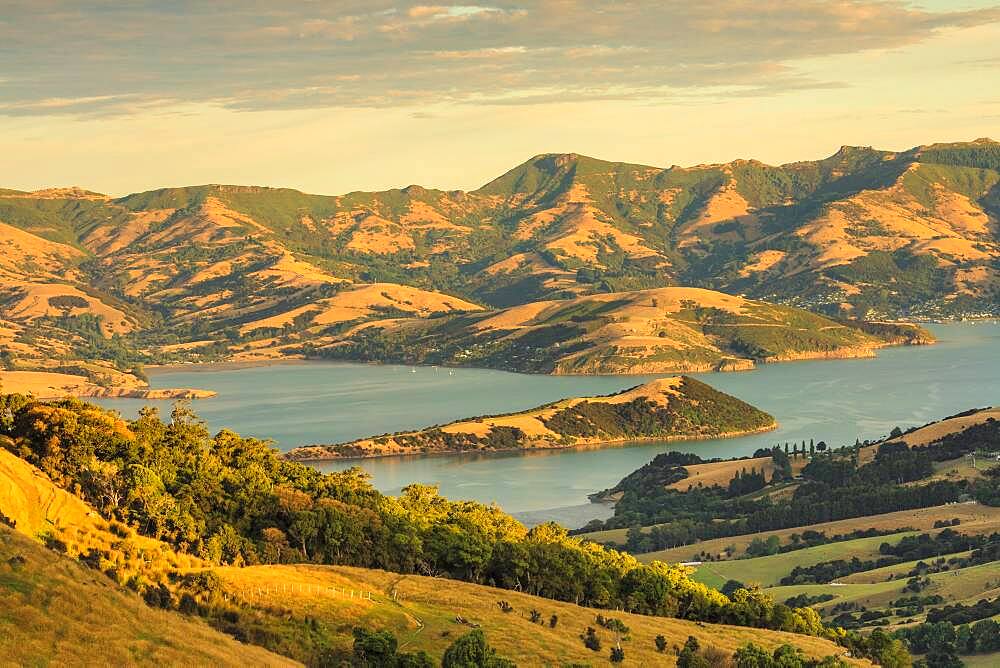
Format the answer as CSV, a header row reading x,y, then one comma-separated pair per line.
x,y
678,408
301,610
55,611
428,613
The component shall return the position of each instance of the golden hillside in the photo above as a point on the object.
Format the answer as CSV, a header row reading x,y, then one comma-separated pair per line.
x,y
55,611
662,330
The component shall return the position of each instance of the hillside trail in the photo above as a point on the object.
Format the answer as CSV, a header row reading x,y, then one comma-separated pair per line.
x,y
409,614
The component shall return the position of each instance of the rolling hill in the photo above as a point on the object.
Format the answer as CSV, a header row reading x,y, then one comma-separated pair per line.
x,y
55,611
677,408
661,330
217,271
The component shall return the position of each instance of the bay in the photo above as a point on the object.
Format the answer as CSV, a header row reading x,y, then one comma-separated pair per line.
x,y
833,400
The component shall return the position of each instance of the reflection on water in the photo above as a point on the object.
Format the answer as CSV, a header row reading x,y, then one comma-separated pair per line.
x,y
836,401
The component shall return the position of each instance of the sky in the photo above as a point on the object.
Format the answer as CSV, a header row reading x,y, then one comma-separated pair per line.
x,y
343,95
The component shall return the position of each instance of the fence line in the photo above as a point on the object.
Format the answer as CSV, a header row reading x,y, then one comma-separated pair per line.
x,y
257,594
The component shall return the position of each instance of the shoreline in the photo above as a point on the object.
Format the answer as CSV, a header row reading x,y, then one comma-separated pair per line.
x,y
596,445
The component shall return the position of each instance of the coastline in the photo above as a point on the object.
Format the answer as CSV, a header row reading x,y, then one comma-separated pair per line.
x,y
727,365
539,446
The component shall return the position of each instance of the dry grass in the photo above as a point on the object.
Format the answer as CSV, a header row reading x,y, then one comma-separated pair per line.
x,y
54,611
423,616
720,473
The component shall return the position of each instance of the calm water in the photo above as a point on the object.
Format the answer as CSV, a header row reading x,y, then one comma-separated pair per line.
x,y
836,401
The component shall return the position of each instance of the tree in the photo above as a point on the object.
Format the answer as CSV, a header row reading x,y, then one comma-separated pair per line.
x,y
471,651
730,587
553,620
374,649
690,656
590,639
617,655
752,656
377,649
661,644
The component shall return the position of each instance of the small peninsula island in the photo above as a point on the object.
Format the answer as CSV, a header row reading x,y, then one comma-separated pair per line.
x,y
667,409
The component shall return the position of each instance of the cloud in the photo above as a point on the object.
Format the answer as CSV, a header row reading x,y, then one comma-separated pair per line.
x,y
97,56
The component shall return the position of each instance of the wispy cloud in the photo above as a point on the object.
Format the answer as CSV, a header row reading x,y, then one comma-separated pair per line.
x,y
92,57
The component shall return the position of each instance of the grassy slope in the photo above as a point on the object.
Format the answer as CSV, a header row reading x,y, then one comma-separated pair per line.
x,y
966,584
768,571
50,590
975,517
424,616
54,611
660,330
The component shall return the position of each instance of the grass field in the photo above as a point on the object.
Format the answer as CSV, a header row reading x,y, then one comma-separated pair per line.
x,y
425,611
894,571
973,583
53,611
982,660
768,571
975,518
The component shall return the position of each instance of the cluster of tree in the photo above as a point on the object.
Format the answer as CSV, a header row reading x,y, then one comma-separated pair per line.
x,y
746,482
692,516
835,487
379,649
802,600
987,489
948,541
963,614
812,538
893,463
942,642
828,571
751,655
234,500
986,554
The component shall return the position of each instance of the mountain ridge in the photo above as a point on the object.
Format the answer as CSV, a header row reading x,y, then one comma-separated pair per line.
x,y
860,234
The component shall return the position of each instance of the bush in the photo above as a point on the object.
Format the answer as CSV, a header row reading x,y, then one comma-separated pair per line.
x,y
471,651
591,641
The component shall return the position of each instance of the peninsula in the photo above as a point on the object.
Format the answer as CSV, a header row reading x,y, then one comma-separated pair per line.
x,y
667,409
